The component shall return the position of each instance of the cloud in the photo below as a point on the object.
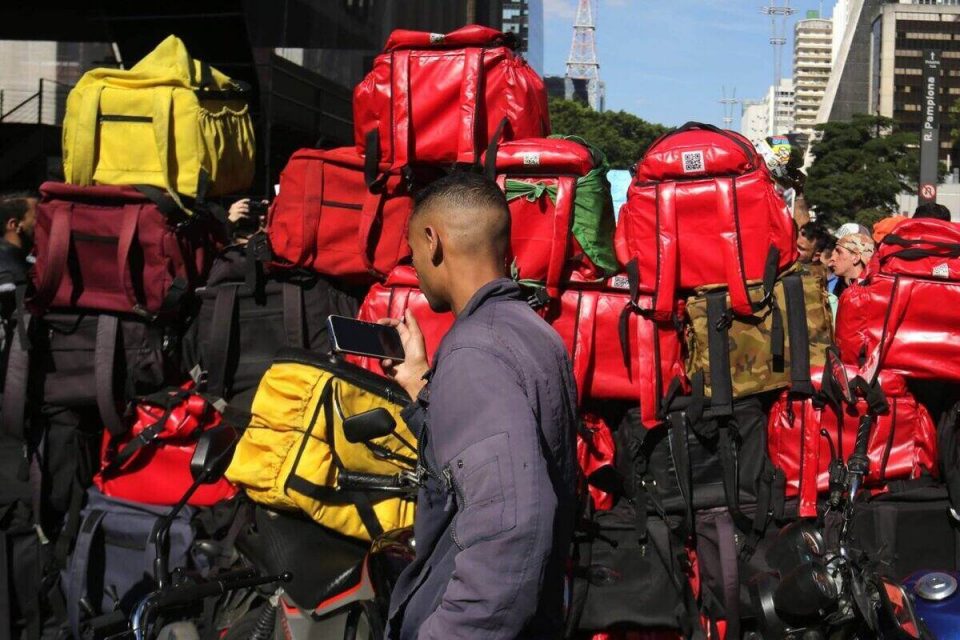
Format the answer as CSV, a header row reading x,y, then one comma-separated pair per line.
x,y
559,9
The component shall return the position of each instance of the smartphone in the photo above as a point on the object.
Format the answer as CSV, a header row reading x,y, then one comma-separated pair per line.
x,y
380,341
257,208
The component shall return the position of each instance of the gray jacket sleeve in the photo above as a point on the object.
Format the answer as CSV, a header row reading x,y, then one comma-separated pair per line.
x,y
486,438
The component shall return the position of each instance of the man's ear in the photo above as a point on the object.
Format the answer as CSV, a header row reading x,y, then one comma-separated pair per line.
x,y
12,225
434,245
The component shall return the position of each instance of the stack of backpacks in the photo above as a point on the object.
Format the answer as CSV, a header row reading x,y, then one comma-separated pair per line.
x,y
697,341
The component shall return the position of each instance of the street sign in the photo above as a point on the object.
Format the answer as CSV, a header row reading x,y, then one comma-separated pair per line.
x,y
928,192
930,126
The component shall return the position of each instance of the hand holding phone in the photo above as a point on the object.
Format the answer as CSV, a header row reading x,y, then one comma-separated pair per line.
x,y
409,373
380,341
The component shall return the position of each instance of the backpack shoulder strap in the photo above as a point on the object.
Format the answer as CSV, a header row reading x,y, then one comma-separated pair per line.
x,y
105,362
13,412
798,334
218,352
293,315
79,564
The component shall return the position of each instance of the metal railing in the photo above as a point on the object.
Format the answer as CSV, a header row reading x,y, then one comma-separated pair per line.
x,y
45,106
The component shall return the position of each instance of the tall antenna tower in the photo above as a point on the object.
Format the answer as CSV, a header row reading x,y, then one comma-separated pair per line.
x,y
583,63
778,12
728,104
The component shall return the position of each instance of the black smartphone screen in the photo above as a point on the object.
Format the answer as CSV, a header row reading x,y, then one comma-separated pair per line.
x,y
364,338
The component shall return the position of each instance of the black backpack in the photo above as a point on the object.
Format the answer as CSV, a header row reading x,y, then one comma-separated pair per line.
x,y
246,314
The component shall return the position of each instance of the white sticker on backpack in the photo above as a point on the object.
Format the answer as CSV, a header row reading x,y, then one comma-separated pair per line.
x,y
941,270
530,157
436,38
693,162
619,282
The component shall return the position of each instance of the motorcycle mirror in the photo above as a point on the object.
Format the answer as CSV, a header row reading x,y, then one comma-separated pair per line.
x,y
806,593
835,374
368,425
213,454
797,543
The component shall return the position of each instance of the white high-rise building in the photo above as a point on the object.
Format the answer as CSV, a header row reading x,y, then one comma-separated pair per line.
x,y
812,55
758,119
839,16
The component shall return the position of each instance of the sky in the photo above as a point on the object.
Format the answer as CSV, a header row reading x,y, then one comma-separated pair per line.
x,y
668,61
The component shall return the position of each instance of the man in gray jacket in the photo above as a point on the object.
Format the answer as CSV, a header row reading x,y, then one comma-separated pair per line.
x,y
495,417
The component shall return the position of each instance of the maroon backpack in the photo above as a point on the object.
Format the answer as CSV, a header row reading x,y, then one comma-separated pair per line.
x,y
115,249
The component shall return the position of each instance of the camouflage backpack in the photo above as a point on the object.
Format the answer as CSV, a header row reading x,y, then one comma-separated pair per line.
x,y
733,356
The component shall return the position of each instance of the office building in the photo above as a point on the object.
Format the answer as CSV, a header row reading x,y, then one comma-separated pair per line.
x,y
525,19
759,119
812,46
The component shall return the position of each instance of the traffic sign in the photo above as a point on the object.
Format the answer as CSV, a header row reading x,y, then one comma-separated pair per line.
x,y
928,191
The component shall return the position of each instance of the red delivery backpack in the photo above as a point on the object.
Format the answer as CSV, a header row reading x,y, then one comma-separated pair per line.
x,y
902,444
905,315
390,300
151,464
618,351
561,212
325,217
596,455
703,210
438,99
107,248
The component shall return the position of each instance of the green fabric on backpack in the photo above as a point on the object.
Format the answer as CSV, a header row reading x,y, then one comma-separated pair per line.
x,y
593,220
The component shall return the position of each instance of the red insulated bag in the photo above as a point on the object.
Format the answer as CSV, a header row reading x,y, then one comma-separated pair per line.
x,y
618,352
435,98
561,213
905,316
703,210
151,464
326,219
902,445
391,299
112,249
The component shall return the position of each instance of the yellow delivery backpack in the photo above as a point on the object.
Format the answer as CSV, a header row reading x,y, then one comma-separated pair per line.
x,y
294,448
171,122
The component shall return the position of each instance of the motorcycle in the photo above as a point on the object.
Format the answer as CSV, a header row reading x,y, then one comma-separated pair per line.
x,y
816,590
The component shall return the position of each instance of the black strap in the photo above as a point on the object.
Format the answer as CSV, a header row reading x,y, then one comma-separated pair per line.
x,y
729,463
178,288
218,351
729,574
799,335
490,163
680,454
770,269
79,564
161,198
778,337
105,362
718,349
371,162
13,411
293,316
22,317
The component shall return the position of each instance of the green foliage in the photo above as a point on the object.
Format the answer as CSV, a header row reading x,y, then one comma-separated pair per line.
x,y
622,136
861,166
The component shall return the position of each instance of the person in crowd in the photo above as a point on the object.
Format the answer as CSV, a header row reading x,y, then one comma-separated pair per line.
x,y
495,415
18,214
241,222
810,243
932,210
851,256
835,284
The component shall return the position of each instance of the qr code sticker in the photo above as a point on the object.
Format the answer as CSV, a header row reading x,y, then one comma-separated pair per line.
x,y
437,38
693,162
530,158
619,282
941,270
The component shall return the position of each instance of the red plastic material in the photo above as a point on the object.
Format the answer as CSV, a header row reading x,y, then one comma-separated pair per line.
x,y
542,246
703,210
326,219
159,472
439,98
903,441
590,322
596,451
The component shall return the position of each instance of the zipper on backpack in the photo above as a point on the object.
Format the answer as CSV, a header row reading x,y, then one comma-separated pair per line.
x,y
123,118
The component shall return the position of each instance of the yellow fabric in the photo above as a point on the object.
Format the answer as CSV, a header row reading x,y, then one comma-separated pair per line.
x,y
286,411
174,132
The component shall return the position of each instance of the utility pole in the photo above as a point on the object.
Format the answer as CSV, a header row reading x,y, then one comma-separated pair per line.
x,y
728,104
583,64
778,11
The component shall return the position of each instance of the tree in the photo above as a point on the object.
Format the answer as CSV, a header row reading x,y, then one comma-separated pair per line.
x,y
622,136
859,168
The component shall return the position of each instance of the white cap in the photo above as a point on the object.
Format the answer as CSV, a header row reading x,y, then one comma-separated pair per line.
x,y
852,227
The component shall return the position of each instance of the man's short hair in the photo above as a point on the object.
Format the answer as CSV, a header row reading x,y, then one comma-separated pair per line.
x,y
14,205
462,190
932,210
816,233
